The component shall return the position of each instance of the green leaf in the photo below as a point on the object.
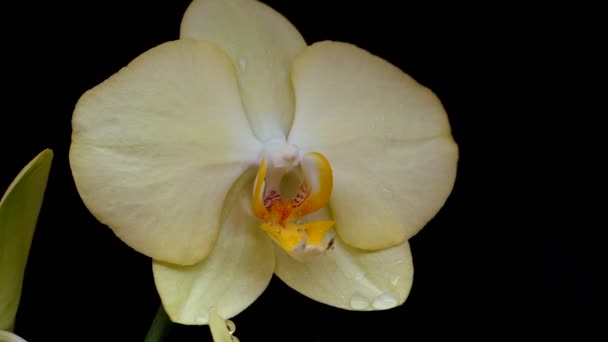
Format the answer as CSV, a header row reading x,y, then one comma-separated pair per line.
x,y
19,210
160,327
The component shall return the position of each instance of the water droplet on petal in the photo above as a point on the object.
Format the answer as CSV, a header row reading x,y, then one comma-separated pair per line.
x,y
385,301
395,280
242,63
358,276
358,302
231,326
235,339
387,193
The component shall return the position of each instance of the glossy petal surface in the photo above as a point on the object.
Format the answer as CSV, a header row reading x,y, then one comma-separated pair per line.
x,y
262,45
350,278
386,137
236,272
156,147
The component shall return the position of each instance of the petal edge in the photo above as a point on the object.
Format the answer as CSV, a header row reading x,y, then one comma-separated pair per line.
x,y
387,138
348,278
262,45
156,147
234,275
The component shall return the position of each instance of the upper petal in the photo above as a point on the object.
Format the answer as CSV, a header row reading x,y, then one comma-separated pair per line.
x,y
156,147
344,93
262,45
387,138
234,275
349,278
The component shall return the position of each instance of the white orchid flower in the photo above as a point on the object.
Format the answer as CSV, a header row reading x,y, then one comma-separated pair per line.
x,y
203,151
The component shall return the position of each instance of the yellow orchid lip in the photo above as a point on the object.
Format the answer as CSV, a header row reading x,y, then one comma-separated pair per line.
x,y
280,216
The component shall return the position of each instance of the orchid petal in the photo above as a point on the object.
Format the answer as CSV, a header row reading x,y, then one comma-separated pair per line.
x,y
387,138
262,45
19,210
234,275
385,193
156,147
350,278
6,336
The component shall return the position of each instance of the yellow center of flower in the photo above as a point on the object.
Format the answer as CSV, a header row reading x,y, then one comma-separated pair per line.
x,y
280,216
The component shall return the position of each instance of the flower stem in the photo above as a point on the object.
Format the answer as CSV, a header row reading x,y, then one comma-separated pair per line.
x,y
160,327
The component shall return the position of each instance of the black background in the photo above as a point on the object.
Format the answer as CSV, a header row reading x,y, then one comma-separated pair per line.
x,y
473,278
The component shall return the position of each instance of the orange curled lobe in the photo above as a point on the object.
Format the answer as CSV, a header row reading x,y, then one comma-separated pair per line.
x,y
279,216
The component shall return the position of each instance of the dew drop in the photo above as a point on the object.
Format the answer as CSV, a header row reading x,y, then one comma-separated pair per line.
x,y
385,301
358,276
387,193
231,326
395,280
358,302
242,63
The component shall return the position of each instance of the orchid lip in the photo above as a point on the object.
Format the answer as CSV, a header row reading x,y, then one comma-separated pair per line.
x,y
280,216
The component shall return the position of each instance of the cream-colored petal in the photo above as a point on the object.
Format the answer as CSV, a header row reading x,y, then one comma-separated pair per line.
x,y
262,45
156,147
344,93
386,137
350,278
384,192
234,275
6,336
